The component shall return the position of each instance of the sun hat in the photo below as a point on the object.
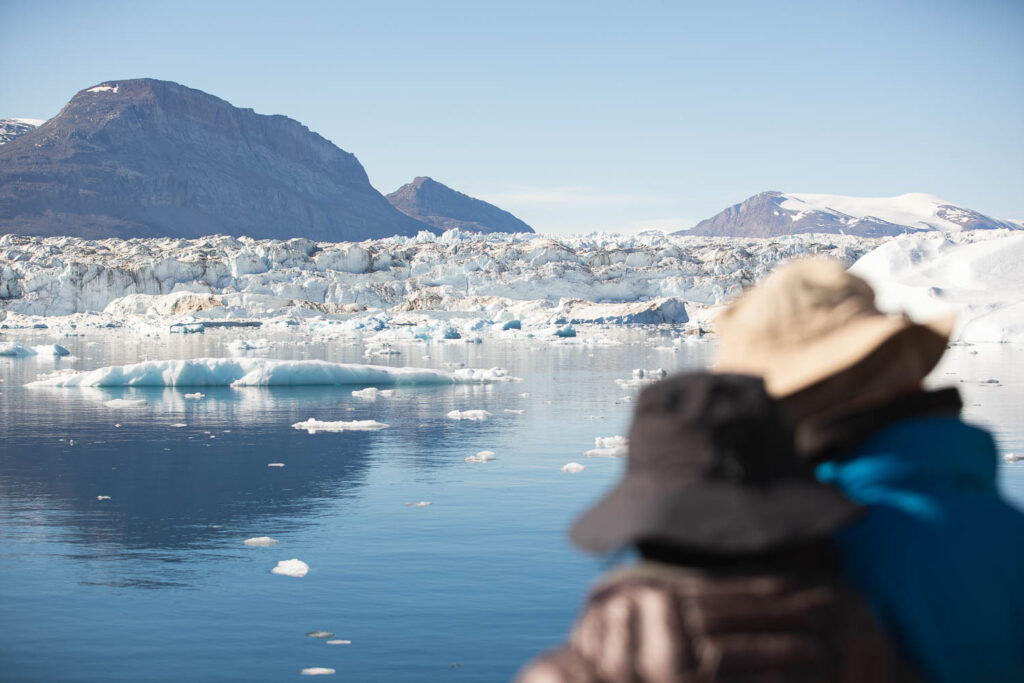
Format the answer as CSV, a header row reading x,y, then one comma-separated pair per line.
x,y
712,469
811,319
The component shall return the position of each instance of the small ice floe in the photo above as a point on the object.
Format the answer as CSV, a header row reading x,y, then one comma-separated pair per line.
x,y
475,415
260,541
642,377
243,345
451,333
293,567
313,426
525,394
320,634
381,349
565,332
14,349
126,403
421,504
55,350
594,417
372,393
196,396
317,671
482,456
71,442
609,447
1013,457
339,642
275,464
102,497
179,424
515,411
572,467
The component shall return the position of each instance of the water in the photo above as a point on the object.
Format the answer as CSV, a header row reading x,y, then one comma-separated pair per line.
x,y
155,583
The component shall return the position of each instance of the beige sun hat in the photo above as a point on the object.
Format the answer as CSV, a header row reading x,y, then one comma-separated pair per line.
x,y
808,321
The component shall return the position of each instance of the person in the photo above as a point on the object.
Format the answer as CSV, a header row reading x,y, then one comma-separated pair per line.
x,y
737,579
940,554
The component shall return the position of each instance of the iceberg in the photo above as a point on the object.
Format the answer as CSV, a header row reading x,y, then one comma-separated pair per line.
x,y
262,372
293,567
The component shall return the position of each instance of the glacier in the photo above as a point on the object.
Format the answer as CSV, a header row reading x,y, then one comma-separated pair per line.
x,y
460,287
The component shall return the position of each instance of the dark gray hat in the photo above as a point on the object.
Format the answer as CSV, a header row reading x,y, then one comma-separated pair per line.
x,y
712,469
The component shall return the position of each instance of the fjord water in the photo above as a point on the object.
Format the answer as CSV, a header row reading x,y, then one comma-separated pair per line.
x,y
155,583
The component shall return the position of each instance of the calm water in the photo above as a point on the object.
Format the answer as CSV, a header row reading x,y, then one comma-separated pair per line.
x,y
155,583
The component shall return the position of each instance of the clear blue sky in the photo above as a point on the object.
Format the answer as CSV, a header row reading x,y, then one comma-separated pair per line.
x,y
585,115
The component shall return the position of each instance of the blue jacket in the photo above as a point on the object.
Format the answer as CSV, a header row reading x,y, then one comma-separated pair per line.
x,y
939,554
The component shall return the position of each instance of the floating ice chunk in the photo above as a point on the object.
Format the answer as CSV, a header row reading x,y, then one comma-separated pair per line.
x,y
126,403
475,415
275,464
239,372
14,349
451,333
260,541
102,497
642,377
179,424
482,456
594,417
51,350
243,345
312,425
320,634
1013,457
339,642
512,325
572,467
293,567
421,504
196,396
566,331
317,671
609,447
515,411
367,394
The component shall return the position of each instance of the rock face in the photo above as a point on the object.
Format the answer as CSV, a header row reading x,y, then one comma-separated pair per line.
x,y
12,128
770,214
148,158
444,208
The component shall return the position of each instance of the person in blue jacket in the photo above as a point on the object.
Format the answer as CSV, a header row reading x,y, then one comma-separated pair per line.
x,y
940,553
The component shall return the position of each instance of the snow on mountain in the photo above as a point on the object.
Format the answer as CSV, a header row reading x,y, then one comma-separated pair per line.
x,y
775,213
13,127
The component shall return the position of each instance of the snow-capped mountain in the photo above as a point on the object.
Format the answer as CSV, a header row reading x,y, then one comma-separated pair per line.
x,y
776,213
12,128
444,208
148,158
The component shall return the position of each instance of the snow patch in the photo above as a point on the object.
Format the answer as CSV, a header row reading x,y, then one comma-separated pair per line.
x,y
104,88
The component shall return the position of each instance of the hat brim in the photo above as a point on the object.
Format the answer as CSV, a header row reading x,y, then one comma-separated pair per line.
x,y
714,517
791,368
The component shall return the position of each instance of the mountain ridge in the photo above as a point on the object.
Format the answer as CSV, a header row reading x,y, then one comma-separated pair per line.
x,y
440,206
148,158
773,213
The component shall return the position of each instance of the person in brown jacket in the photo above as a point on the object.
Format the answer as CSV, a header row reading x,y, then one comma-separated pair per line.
x,y
737,579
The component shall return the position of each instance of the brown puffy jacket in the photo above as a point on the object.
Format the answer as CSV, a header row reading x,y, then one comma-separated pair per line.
x,y
661,624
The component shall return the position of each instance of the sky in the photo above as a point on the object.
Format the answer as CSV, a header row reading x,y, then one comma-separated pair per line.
x,y
583,116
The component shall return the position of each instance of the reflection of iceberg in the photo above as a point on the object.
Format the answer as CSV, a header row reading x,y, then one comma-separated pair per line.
x,y
213,372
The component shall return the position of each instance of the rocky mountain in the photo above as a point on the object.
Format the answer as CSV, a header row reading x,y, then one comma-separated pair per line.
x,y
769,214
12,128
444,208
147,158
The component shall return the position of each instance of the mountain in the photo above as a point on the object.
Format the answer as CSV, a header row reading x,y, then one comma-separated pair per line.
x,y
148,158
12,128
444,208
775,213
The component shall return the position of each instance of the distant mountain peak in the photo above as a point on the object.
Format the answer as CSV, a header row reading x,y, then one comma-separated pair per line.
x,y
773,213
440,206
145,158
